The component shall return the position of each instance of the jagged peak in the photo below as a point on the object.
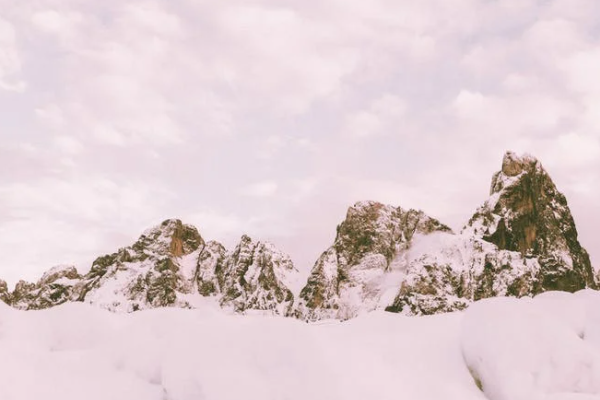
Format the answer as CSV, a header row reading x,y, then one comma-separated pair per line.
x,y
59,271
513,164
513,168
367,204
245,239
172,236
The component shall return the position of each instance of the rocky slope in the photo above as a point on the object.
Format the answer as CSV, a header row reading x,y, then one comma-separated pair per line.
x,y
169,266
522,241
55,287
357,274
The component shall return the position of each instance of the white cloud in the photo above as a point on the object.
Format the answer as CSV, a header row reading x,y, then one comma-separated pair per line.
x,y
10,61
383,115
575,150
265,188
511,115
411,103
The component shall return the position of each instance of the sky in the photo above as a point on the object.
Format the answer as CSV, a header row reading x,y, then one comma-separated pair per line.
x,y
270,118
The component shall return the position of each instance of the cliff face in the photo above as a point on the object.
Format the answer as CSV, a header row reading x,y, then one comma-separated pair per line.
x,y
530,216
257,276
522,241
170,265
356,273
55,287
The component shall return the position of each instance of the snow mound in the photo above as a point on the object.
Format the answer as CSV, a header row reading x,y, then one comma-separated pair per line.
x,y
544,348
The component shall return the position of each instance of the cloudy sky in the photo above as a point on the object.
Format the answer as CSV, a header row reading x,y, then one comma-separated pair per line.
x,y
271,117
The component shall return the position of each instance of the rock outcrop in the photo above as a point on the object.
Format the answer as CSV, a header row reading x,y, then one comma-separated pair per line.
x,y
170,265
55,287
256,276
522,241
155,271
356,274
527,214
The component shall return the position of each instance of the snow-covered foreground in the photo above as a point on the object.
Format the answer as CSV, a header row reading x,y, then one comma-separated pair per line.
x,y
546,348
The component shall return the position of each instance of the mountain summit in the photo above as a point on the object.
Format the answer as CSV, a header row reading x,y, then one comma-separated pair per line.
x,y
526,213
521,242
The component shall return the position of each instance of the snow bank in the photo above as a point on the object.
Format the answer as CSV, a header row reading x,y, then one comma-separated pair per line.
x,y
535,349
545,348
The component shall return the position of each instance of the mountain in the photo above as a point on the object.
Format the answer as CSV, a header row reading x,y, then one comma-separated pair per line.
x,y
55,287
521,241
170,265
357,273
257,276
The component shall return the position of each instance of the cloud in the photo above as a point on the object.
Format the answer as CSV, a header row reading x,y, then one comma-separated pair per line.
x,y
10,61
383,114
266,188
131,113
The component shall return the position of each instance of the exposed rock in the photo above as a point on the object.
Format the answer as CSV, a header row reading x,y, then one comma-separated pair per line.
x,y
527,214
172,266
521,242
55,287
356,274
209,268
257,276
150,273
4,292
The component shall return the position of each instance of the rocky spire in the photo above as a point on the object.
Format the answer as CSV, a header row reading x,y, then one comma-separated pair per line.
x,y
526,213
257,276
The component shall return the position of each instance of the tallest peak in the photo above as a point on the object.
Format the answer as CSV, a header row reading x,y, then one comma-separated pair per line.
x,y
513,164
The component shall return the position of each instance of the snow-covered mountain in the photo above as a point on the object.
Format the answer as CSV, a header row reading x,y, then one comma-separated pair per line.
x,y
357,273
170,265
522,241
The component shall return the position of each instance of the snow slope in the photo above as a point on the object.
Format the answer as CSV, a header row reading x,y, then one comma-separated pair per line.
x,y
545,348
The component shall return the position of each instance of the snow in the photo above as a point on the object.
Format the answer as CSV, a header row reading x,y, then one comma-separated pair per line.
x,y
546,348
535,349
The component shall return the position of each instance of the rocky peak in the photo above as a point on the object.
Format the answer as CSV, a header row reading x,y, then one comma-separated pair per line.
x,y
527,214
68,272
350,275
513,165
257,276
171,237
372,227
55,287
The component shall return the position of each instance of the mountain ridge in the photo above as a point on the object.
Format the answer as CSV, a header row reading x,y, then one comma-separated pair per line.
x,y
520,242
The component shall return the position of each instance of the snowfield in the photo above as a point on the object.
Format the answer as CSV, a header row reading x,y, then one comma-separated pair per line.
x,y
547,348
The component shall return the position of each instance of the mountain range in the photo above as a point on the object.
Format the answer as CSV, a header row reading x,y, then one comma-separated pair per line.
x,y
520,242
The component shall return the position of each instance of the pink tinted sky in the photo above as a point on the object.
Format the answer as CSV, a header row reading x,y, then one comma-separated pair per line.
x,y
270,118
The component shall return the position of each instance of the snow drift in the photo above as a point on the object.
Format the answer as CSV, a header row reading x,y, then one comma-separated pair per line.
x,y
542,348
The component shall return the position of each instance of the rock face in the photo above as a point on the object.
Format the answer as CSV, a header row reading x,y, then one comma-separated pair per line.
x,y
357,274
527,214
4,293
257,276
169,266
55,287
522,241
156,271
